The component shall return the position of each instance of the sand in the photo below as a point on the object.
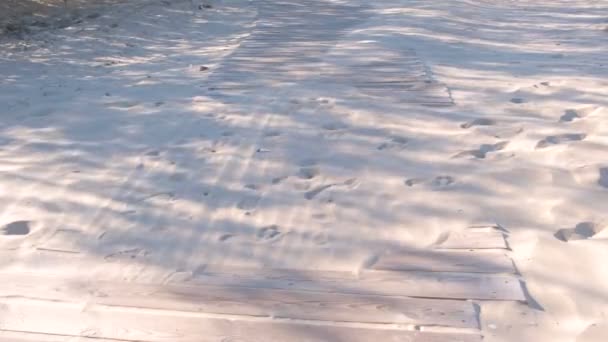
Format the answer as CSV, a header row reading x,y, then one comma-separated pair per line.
x,y
116,158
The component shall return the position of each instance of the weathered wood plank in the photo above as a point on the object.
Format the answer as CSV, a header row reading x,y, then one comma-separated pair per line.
x,y
472,239
18,336
370,282
157,326
445,261
258,302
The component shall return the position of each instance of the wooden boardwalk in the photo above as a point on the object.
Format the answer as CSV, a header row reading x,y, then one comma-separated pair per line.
x,y
295,43
410,295
414,295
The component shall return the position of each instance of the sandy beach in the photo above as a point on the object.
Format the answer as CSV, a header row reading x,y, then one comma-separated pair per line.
x,y
150,142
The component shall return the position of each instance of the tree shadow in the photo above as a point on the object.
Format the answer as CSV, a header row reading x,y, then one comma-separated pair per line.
x,y
145,166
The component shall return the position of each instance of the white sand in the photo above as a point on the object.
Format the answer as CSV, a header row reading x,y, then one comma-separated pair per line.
x,y
123,165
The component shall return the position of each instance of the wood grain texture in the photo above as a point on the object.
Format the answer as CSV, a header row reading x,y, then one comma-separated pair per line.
x,y
154,326
259,302
294,43
473,239
20,336
472,261
370,282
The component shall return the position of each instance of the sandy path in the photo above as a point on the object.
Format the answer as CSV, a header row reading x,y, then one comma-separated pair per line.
x,y
149,141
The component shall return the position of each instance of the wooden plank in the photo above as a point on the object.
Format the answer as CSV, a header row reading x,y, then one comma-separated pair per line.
x,y
472,239
420,97
19,336
446,261
155,326
257,302
369,282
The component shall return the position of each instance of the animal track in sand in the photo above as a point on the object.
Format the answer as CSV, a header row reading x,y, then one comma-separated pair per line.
x,y
269,233
560,139
483,150
16,228
479,122
395,143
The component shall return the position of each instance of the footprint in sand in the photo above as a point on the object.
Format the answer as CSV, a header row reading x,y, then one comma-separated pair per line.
x,y
560,139
253,186
395,143
278,180
272,134
225,237
307,162
122,104
479,122
442,181
349,183
308,172
603,180
575,114
163,196
248,202
582,231
309,195
16,228
333,130
320,239
334,126
270,233
437,182
483,150
502,132
414,181
133,253
178,177
153,153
